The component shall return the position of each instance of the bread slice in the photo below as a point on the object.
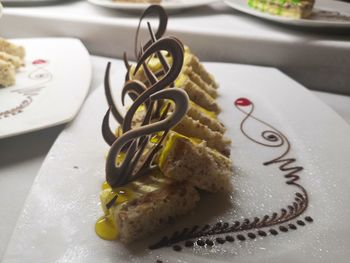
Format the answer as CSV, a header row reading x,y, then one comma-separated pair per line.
x,y
7,74
153,202
12,49
187,159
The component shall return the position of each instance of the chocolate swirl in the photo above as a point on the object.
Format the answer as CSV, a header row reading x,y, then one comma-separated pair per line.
x,y
282,219
135,142
173,47
163,21
130,168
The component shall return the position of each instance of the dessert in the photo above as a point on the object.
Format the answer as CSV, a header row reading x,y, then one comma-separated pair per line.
x,y
286,8
7,73
11,58
169,144
12,49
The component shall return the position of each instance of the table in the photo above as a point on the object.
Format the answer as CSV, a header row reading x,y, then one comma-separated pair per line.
x,y
216,33
19,168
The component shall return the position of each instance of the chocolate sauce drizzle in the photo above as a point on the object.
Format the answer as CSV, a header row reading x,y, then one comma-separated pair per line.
x,y
39,73
248,229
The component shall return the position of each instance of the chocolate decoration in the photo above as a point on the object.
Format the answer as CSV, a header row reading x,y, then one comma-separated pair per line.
x,y
309,219
108,92
209,242
189,243
107,134
272,138
200,243
176,52
230,238
177,248
163,21
127,170
292,226
127,66
134,142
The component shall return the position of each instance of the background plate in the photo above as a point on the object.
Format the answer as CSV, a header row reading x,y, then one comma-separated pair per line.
x,y
326,14
57,223
49,90
169,5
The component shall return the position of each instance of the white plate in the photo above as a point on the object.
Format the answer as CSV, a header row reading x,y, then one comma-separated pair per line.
x,y
169,5
50,88
326,14
57,223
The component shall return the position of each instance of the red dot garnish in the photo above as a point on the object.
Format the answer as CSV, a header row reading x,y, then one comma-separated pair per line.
x,y
243,102
39,61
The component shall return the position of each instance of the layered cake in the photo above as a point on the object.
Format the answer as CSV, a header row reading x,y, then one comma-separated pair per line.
x,y
286,8
200,121
169,146
11,58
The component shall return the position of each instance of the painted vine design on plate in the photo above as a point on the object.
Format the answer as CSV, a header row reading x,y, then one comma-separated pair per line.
x,y
39,73
284,220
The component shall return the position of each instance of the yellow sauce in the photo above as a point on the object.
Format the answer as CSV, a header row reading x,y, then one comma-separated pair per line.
x,y
201,109
169,144
105,228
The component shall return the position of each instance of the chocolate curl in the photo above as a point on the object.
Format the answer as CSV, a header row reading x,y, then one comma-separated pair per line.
x,y
107,134
127,171
171,46
108,92
163,21
127,66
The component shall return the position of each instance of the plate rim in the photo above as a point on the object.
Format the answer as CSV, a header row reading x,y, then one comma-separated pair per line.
x,y
142,6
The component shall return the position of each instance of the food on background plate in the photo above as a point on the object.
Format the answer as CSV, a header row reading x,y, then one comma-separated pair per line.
x,y
169,146
11,58
286,8
139,1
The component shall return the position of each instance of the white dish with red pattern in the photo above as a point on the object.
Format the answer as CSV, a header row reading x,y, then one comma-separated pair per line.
x,y
49,90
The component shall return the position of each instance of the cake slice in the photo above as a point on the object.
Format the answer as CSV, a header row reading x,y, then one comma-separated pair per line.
x,y
7,74
286,8
145,206
205,117
12,49
194,128
191,160
14,60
